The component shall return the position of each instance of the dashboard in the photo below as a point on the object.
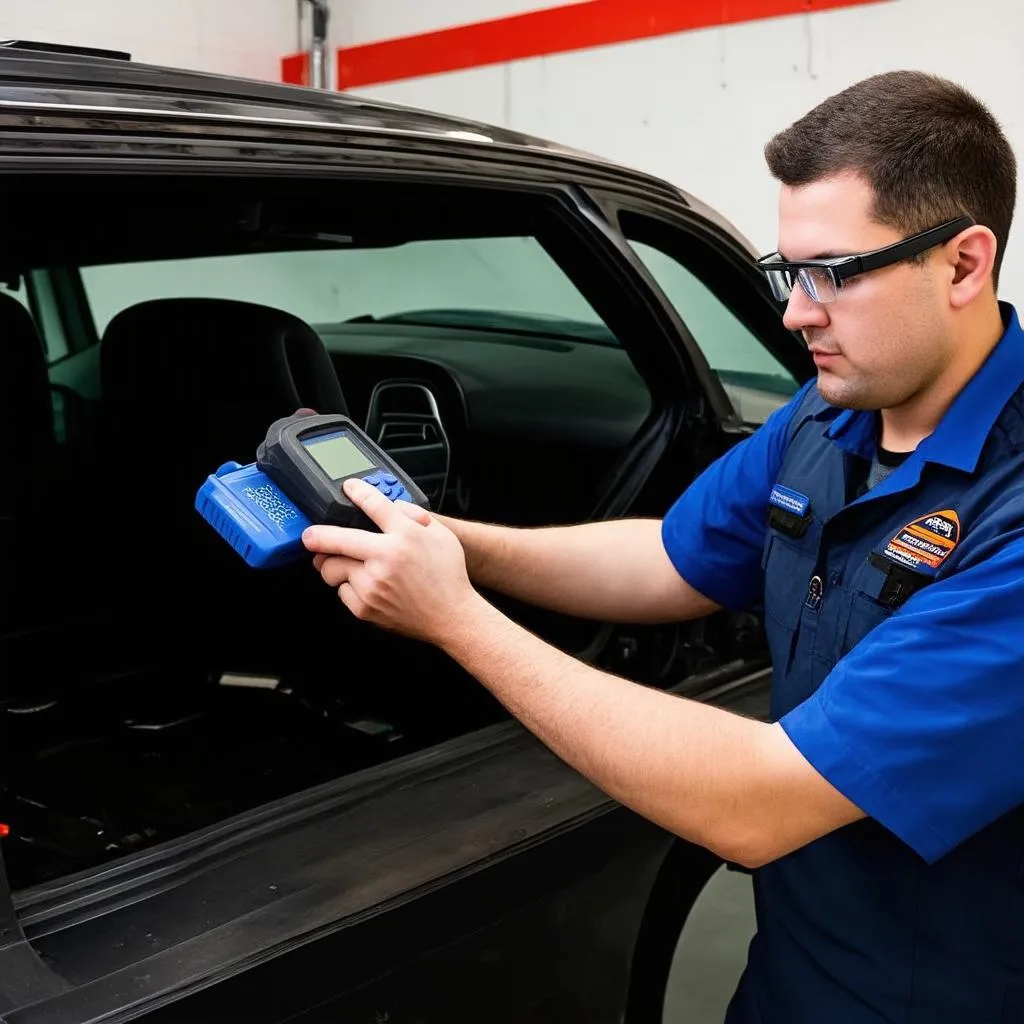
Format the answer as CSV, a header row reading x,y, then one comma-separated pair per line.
x,y
532,423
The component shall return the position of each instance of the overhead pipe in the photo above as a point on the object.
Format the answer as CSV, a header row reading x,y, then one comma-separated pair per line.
x,y
318,48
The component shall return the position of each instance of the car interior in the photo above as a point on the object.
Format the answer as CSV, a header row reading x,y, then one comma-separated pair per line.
x,y
153,683
151,329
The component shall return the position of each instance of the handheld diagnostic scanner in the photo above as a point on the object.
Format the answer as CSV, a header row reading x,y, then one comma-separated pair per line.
x,y
262,508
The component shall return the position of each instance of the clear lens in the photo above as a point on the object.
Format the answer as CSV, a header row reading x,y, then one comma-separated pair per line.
x,y
780,281
818,283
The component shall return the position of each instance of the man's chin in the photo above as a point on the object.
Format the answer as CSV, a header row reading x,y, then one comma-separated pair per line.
x,y
843,394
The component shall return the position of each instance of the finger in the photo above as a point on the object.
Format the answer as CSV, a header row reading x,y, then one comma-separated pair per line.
x,y
341,540
380,509
350,599
414,512
318,561
337,569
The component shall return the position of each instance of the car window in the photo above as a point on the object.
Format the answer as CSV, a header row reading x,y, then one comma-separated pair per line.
x,y
500,282
754,379
36,293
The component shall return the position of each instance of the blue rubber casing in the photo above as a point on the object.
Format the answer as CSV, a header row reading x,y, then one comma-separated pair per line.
x,y
253,515
256,518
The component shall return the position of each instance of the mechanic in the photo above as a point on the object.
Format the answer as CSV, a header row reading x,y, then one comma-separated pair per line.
x,y
879,516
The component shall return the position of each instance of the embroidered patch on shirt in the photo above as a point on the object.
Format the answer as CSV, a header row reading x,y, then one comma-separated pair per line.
x,y
927,542
789,500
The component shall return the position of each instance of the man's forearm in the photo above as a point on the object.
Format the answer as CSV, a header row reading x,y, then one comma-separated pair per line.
x,y
691,768
612,571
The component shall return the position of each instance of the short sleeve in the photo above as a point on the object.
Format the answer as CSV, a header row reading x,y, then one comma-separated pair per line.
x,y
921,724
715,531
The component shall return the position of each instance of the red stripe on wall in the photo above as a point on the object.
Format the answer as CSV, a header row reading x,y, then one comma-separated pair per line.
x,y
295,69
556,30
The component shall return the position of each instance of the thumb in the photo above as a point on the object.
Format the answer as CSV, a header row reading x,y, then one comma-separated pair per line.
x,y
415,513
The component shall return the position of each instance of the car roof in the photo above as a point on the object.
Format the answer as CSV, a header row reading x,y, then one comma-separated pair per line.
x,y
129,84
46,77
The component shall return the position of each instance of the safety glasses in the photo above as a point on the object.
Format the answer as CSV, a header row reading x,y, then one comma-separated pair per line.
x,y
823,279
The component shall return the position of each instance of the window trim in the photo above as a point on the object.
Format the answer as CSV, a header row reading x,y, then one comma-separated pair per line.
x,y
731,271
57,299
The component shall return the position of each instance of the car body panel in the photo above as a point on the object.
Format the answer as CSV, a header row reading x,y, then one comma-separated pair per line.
x,y
325,867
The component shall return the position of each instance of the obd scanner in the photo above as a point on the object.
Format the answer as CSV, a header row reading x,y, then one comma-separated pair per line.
x,y
262,508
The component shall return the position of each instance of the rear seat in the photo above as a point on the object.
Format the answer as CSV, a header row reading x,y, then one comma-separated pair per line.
x,y
29,477
187,385
52,626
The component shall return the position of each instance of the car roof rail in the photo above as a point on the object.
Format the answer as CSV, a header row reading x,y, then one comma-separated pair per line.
x,y
78,51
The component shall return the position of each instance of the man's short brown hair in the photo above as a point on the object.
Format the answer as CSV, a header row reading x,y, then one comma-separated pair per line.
x,y
929,149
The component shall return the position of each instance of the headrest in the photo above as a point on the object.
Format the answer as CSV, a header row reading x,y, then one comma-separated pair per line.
x,y
206,377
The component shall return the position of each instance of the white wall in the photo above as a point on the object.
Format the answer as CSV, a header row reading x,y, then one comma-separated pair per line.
x,y
234,37
698,107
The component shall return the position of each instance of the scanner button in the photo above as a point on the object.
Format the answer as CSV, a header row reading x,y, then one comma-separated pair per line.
x,y
391,480
373,479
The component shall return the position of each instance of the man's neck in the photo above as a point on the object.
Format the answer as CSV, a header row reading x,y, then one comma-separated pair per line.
x,y
906,426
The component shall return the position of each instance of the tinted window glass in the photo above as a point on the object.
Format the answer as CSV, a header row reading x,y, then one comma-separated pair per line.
x,y
754,379
498,282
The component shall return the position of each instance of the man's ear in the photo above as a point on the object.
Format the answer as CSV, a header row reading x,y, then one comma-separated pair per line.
x,y
972,257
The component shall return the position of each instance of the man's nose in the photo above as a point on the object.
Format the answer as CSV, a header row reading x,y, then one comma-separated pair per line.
x,y
803,312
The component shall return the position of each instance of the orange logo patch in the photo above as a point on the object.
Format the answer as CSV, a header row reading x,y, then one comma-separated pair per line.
x,y
927,542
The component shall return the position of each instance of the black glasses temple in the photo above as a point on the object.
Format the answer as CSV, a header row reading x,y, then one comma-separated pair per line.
x,y
905,248
848,266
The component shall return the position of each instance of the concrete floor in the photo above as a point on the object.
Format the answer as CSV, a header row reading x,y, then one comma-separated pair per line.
x,y
711,952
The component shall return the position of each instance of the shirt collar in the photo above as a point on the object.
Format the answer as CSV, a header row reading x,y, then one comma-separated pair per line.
x,y
961,434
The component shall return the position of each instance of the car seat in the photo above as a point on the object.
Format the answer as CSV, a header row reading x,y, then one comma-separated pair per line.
x,y
28,468
187,385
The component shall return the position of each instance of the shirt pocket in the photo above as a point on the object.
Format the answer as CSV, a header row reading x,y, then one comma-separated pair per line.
x,y
865,609
788,566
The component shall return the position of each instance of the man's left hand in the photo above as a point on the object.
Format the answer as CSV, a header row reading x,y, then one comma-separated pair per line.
x,y
410,578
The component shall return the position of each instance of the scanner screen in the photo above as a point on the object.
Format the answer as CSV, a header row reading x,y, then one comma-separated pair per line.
x,y
337,455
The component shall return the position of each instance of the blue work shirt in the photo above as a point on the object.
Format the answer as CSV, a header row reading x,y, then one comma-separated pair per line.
x,y
895,620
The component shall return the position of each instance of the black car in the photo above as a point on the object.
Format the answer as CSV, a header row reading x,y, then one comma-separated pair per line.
x,y
222,796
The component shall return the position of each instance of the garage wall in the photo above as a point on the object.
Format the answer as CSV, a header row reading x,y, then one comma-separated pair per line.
x,y
243,37
696,107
